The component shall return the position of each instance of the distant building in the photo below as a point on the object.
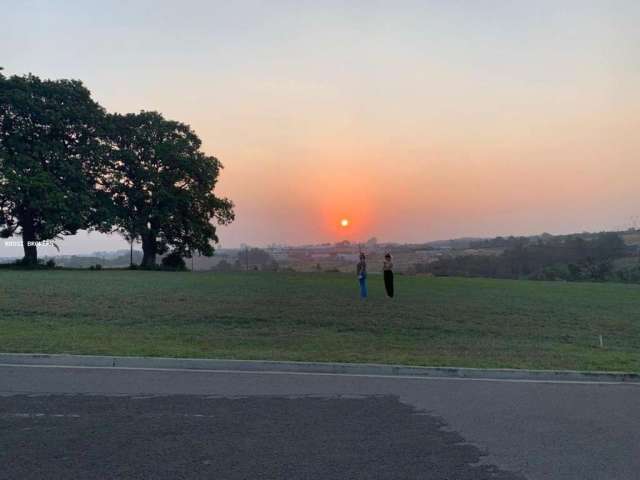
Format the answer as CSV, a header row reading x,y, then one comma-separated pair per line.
x,y
279,254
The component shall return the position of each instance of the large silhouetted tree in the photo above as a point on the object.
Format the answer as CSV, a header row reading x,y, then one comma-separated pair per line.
x,y
50,159
162,186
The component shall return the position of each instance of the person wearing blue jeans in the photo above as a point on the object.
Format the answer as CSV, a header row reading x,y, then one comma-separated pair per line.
x,y
362,276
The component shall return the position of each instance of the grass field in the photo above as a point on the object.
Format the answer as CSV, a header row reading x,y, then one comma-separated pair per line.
x,y
288,316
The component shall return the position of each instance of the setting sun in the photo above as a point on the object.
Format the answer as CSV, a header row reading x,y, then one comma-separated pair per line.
x,y
344,222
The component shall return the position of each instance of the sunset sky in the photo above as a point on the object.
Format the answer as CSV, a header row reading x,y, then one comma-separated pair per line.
x,y
415,121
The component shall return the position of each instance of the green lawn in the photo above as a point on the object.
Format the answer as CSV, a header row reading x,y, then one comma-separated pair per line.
x,y
288,316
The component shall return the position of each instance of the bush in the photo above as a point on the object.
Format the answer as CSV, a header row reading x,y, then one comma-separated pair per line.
x,y
98,266
629,274
174,261
552,272
51,263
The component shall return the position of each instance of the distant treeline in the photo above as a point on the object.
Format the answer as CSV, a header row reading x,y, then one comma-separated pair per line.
x,y
249,259
570,258
81,261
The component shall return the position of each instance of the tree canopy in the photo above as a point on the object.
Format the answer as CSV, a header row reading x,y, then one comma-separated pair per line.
x,y
50,157
162,186
66,165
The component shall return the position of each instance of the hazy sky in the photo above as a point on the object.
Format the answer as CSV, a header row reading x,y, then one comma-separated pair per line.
x,y
415,120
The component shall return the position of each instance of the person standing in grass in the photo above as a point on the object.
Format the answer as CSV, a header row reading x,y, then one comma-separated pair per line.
x,y
387,271
362,275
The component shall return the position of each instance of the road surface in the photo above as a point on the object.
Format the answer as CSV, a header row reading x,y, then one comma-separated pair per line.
x,y
61,422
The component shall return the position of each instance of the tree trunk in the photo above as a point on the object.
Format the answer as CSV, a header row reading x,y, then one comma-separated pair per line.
x,y
28,235
149,250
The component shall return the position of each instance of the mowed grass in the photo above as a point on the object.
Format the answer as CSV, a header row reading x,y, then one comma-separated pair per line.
x,y
298,316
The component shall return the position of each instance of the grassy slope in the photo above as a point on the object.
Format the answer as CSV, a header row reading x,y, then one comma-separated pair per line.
x,y
433,321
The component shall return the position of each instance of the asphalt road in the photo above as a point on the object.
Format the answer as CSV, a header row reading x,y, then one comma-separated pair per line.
x,y
123,423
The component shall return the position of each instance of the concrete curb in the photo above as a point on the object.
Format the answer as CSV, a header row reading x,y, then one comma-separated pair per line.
x,y
63,360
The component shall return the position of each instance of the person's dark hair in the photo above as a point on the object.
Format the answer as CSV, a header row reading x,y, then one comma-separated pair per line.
x,y
387,255
362,256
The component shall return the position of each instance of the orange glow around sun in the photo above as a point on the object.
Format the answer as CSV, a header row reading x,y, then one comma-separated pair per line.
x,y
344,223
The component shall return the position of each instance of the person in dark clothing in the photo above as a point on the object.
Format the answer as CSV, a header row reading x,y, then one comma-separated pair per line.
x,y
387,270
362,276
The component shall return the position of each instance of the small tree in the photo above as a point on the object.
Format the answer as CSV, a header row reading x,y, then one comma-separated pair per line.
x,y
50,159
162,186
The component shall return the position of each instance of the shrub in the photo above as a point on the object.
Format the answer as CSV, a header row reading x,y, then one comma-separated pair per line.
x,y
629,274
174,261
552,272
